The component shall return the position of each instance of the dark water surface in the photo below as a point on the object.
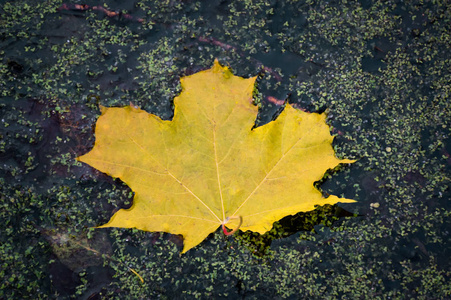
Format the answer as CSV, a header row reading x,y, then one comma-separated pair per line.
x,y
381,69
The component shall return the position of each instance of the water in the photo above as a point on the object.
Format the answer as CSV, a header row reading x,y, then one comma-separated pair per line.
x,y
380,69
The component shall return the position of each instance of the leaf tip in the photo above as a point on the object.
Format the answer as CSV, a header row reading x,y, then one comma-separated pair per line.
x,y
103,109
347,161
133,106
217,68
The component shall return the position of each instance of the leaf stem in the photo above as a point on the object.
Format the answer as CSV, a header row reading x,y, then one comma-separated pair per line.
x,y
224,229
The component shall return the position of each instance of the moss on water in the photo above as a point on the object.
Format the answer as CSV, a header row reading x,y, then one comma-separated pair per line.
x,y
381,69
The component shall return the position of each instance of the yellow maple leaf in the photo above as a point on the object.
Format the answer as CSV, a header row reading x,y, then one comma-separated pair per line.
x,y
208,167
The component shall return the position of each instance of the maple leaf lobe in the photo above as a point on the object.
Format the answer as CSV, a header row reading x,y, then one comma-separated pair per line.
x,y
207,167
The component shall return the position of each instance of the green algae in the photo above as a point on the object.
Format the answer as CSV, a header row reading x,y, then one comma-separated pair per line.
x,y
381,69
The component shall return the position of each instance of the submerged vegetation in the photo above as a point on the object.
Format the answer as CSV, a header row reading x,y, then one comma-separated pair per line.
x,y
381,69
